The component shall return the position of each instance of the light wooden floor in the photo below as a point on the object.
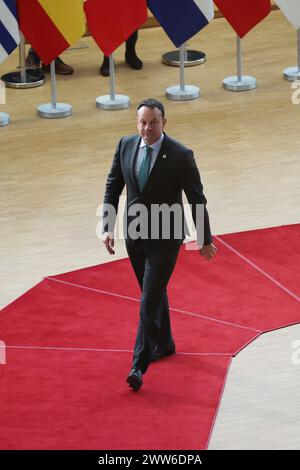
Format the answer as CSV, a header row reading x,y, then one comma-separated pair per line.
x,y
247,146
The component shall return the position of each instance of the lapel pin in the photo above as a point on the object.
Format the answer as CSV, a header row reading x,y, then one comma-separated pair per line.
x,y
164,155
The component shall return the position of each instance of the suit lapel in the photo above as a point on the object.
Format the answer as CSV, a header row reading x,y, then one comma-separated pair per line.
x,y
133,149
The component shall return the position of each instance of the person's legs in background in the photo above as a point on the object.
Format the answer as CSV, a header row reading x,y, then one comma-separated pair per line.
x,y
130,53
131,57
33,61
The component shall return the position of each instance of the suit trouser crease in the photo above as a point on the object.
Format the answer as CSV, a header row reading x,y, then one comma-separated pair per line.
x,y
153,271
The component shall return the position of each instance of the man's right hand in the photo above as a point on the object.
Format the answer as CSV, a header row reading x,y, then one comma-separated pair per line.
x,y
109,242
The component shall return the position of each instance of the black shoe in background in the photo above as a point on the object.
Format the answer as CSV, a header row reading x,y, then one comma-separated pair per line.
x,y
133,61
104,69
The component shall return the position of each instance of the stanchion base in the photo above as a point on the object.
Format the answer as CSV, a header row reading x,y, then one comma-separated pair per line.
x,y
120,102
60,111
193,58
4,119
292,74
190,92
34,78
245,84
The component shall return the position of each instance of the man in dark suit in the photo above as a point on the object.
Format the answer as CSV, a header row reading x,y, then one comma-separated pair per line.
x,y
155,169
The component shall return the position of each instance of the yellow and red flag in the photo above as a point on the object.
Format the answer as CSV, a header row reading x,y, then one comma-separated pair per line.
x,y
51,26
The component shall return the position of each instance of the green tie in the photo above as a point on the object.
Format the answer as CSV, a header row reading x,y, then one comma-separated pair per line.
x,y
144,169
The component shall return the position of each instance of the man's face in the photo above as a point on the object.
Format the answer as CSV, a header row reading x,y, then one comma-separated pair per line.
x,y
150,124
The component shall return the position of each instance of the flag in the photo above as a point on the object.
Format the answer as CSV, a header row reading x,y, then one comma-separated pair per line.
x,y
112,22
51,26
243,15
182,19
9,29
291,9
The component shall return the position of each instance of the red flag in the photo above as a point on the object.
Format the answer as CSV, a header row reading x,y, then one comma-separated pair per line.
x,y
243,15
112,22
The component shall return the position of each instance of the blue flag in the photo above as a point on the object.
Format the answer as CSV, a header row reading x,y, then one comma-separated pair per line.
x,y
182,19
9,29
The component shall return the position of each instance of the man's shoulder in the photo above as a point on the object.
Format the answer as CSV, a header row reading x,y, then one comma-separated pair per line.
x,y
176,145
127,139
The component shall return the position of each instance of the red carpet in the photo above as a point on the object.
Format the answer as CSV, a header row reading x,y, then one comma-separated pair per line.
x,y
276,252
69,345
58,315
72,400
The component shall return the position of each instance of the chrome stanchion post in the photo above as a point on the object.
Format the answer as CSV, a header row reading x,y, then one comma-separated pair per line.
x,y
112,78
54,110
24,78
53,85
182,92
239,82
239,58
182,78
22,60
112,101
293,73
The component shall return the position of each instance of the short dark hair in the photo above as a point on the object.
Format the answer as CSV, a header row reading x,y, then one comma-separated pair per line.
x,y
153,103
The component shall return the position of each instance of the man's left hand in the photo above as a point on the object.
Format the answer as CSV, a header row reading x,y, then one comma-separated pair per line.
x,y
208,251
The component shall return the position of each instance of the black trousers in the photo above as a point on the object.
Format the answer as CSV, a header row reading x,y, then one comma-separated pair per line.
x,y
129,45
153,271
131,42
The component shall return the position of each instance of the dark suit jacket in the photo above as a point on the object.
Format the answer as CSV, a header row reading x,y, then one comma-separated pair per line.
x,y
174,171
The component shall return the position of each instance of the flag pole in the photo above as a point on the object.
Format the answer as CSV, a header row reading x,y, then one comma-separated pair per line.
x,y
53,85
239,82
112,101
112,78
239,59
182,57
25,77
22,59
54,110
292,74
182,92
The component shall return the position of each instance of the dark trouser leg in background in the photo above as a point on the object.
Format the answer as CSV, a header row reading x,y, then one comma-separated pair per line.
x,y
32,59
153,271
130,56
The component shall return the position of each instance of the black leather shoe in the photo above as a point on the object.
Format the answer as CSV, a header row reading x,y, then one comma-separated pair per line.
x,y
159,353
133,61
134,379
